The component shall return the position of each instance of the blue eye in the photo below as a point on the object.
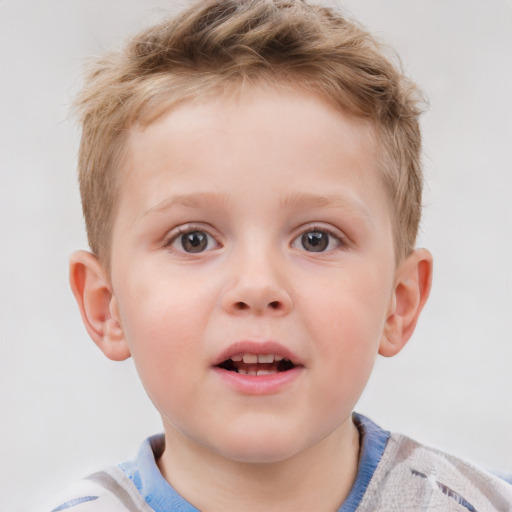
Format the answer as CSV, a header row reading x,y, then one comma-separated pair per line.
x,y
317,240
193,241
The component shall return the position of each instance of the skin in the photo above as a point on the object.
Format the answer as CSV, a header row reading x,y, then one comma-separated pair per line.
x,y
252,176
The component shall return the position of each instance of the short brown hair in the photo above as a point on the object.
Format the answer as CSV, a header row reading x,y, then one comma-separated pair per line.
x,y
218,44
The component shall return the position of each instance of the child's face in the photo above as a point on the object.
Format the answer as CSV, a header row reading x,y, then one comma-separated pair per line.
x,y
253,227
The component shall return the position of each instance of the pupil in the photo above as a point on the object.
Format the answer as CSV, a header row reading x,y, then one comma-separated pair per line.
x,y
195,241
315,241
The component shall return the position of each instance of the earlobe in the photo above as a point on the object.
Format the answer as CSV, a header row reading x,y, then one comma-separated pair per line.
x,y
98,307
411,291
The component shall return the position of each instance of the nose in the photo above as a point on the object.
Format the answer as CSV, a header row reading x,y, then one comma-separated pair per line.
x,y
257,287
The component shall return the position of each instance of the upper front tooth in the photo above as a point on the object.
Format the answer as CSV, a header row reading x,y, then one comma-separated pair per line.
x,y
250,358
265,358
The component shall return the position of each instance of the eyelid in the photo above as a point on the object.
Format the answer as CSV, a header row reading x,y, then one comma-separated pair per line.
x,y
330,230
183,229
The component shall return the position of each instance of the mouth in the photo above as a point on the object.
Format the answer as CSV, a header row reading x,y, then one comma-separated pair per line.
x,y
256,364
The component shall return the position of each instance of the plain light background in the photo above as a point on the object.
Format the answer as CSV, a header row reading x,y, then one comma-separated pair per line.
x,y
65,410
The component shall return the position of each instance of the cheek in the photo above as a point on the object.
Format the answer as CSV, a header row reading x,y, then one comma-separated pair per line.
x,y
346,352
346,321
163,321
165,352
349,312
163,307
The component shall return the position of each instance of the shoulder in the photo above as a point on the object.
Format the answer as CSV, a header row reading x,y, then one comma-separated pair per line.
x,y
416,475
110,490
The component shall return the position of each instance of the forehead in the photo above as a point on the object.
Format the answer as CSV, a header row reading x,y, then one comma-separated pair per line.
x,y
269,132
250,116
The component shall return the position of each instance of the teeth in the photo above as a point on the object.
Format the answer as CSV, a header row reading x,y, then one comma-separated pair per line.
x,y
256,358
256,372
250,358
265,372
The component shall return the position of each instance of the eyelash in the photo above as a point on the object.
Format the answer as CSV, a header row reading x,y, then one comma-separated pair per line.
x,y
299,238
189,229
340,238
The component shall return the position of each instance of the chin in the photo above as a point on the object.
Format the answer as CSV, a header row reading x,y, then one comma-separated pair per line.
x,y
262,447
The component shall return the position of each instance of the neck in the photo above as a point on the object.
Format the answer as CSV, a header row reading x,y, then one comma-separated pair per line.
x,y
318,478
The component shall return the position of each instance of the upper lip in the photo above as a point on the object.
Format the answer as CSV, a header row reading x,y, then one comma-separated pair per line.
x,y
258,348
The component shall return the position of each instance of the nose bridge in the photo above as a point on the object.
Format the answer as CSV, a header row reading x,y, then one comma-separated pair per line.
x,y
257,282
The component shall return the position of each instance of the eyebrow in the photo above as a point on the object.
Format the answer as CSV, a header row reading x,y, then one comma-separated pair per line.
x,y
305,200
297,201
196,200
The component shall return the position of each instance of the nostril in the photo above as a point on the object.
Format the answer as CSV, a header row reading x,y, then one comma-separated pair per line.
x,y
257,304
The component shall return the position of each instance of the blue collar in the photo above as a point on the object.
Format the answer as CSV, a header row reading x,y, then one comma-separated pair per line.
x,y
162,497
373,442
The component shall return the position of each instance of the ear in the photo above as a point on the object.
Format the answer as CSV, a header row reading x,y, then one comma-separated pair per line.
x,y
412,288
98,306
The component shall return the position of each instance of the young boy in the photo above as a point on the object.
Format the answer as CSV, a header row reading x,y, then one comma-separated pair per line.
x,y
251,184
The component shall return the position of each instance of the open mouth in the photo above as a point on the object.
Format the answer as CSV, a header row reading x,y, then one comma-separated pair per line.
x,y
256,364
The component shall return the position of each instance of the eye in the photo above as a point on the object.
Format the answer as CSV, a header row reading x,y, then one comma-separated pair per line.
x,y
193,241
317,240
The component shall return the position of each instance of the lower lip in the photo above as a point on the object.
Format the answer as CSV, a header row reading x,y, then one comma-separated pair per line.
x,y
259,384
